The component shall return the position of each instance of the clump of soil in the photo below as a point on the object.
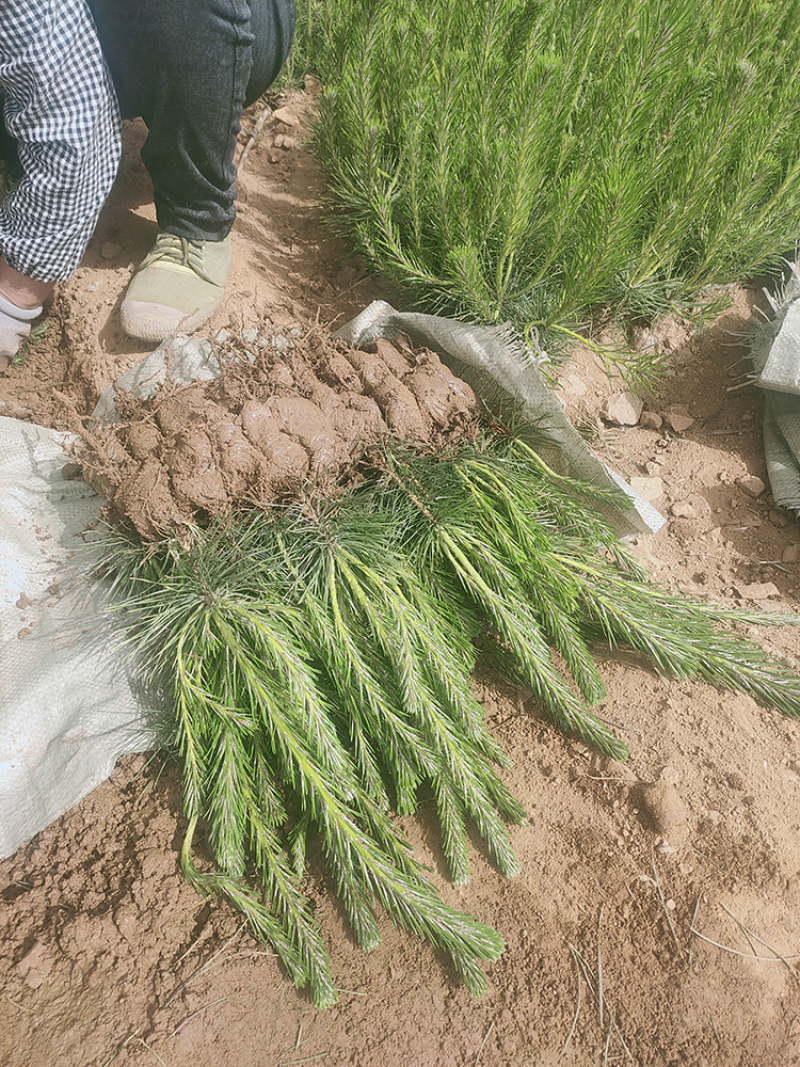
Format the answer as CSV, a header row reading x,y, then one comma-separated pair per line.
x,y
277,419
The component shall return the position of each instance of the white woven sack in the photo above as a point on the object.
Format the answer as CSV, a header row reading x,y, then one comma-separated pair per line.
x,y
68,710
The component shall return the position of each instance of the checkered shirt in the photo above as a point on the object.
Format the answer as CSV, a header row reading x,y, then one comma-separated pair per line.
x,y
60,105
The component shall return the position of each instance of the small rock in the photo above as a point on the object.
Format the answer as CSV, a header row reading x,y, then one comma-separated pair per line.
x,y
652,468
663,807
110,250
757,591
679,421
287,116
790,553
651,420
650,488
751,484
623,409
683,510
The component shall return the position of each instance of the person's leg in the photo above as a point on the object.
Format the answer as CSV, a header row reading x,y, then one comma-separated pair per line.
x,y
189,67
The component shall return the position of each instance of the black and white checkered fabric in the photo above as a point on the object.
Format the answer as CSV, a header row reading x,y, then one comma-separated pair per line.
x,y
61,106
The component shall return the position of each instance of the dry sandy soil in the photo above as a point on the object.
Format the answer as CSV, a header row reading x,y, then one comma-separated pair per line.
x,y
110,958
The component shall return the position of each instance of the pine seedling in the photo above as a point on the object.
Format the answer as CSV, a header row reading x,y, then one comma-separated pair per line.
x,y
544,163
319,661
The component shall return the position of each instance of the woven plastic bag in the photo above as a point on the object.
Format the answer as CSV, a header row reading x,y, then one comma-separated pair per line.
x,y
775,350
68,706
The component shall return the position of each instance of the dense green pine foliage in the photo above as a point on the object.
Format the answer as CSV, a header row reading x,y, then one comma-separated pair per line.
x,y
541,161
319,661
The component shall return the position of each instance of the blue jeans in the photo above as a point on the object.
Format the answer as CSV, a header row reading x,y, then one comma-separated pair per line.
x,y
188,68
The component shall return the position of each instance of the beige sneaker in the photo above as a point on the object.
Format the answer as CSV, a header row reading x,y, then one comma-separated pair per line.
x,y
178,285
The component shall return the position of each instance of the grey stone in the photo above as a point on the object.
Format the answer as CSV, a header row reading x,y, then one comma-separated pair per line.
x,y
623,409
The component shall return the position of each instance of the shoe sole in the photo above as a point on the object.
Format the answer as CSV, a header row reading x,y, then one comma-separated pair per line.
x,y
154,322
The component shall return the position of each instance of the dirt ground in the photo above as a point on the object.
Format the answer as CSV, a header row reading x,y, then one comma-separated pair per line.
x,y
650,925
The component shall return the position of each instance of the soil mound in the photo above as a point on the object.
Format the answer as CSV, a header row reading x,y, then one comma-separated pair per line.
x,y
283,414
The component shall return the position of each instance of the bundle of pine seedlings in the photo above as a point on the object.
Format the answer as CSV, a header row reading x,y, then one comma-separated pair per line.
x,y
543,161
310,606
